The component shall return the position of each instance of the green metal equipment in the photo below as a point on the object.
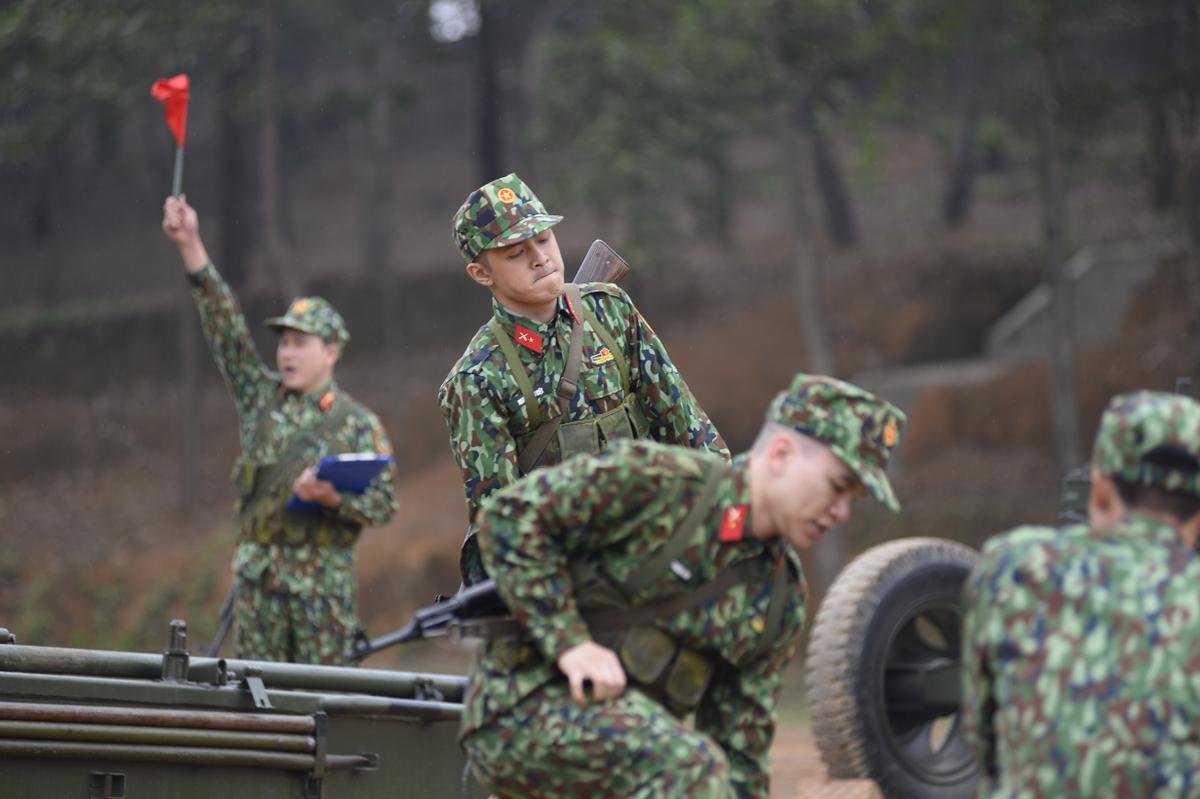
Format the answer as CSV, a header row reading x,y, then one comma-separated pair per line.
x,y
107,725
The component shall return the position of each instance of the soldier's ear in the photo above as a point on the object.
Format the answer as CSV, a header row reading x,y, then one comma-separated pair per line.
x,y
333,352
480,273
1104,503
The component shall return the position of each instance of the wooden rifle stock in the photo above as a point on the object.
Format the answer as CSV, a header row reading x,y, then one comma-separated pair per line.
x,y
601,264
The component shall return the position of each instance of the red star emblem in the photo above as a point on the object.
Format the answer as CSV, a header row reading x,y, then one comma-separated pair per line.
x,y
529,339
733,524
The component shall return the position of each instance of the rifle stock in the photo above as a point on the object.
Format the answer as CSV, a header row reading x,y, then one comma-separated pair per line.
x,y
601,264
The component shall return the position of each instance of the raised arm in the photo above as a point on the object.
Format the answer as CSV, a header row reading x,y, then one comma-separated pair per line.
x,y
220,315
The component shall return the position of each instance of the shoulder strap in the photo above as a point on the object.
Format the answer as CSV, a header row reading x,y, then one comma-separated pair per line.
x,y
774,621
606,336
517,369
657,564
568,387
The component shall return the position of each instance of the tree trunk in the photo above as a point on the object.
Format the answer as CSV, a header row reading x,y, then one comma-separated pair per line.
x,y
236,191
956,203
839,214
46,202
491,144
1156,54
805,256
1190,33
1064,406
276,252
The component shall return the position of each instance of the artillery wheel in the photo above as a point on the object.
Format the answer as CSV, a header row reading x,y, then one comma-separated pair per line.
x,y
883,679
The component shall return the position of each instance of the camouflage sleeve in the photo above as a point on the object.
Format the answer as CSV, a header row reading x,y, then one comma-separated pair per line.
x,y
480,439
738,711
229,338
529,530
377,504
674,412
978,704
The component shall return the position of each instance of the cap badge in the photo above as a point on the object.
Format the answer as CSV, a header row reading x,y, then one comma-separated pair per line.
x,y
890,434
299,306
506,195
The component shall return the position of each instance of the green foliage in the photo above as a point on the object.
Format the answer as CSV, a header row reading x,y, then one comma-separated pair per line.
x,y
73,68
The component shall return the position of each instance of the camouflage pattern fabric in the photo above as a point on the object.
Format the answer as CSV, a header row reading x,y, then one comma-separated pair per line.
x,y
313,315
1081,646
613,510
1139,422
299,579
497,214
1081,650
859,427
484,409
589,751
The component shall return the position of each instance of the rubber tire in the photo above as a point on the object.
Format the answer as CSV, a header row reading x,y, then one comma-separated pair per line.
x,y
871,599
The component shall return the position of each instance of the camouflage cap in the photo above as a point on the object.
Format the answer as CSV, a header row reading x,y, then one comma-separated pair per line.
x,y
1136,424
313,315
497,214
857,426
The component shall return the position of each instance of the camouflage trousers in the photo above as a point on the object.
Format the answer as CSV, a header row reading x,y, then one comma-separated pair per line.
x,y
283,626
548,746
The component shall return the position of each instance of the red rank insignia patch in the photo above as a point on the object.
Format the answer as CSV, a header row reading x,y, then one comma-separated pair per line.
x,y
732,524
326,401
528,339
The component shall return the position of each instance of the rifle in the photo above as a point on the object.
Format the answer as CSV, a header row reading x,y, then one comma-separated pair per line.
x,y
479,601
601,264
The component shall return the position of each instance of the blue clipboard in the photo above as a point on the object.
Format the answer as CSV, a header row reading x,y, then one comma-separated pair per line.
x,y
350,474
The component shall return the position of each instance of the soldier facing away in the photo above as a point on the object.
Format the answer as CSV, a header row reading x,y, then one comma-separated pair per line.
x,y
293,571
1081,645
521,397
665,580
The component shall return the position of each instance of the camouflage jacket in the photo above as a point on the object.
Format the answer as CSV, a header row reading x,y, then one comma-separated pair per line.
x,y
485,412
259,395
1081,653
614,509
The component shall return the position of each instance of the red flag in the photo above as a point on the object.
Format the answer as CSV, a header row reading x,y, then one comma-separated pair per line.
x,y
173,93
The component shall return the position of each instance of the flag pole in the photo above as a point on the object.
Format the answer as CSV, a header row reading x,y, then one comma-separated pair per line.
x,y
177,182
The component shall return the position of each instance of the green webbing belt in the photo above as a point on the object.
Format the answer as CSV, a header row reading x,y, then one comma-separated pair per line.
x,y
774,621
610,342
657,564
517,370
568,384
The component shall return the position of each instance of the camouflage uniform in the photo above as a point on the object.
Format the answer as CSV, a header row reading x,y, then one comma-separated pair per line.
x,y
1081,645
481,401
610,514
295,571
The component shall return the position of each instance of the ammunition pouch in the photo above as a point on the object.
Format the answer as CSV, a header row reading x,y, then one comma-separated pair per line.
x,y
665,671
585,436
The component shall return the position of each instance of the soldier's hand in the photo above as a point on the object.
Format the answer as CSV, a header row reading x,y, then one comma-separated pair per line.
x,y
182,226
308,488
596,664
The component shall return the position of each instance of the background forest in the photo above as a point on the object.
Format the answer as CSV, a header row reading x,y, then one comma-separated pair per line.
x,y
986,210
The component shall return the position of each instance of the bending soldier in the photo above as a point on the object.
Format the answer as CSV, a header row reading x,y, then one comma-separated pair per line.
x,y
666,580
1081,645
521,397
294,571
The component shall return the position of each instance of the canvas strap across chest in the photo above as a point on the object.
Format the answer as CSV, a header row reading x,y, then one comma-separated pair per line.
x,y
553,439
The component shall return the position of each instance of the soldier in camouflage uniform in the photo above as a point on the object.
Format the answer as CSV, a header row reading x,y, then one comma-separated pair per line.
x,y
506,403
294,571
1081,645
666,580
